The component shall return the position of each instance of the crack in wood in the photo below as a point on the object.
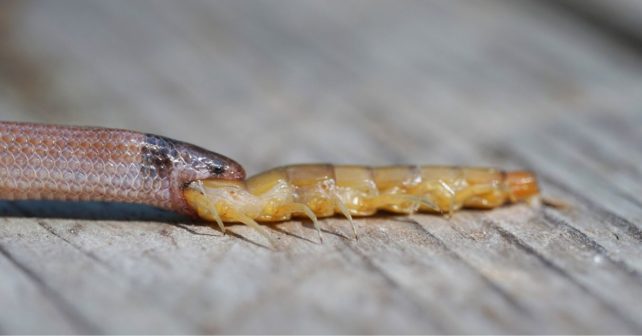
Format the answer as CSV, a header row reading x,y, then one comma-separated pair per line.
x,y
505,295
84,325
88,254
369,264
606,215
579,236
516,241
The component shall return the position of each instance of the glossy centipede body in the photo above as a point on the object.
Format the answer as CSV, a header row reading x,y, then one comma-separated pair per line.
x,y
321,190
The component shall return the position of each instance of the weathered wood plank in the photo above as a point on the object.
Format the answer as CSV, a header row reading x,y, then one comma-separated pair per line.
x,y
526,275
23,291
78,280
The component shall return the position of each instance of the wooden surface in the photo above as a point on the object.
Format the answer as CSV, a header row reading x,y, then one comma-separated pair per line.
x,y
502,83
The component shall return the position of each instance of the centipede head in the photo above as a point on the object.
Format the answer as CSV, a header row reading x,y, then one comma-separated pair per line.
x,y
213,199
225,201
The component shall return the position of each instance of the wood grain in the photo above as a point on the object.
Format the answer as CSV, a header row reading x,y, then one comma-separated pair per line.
x,y
514,84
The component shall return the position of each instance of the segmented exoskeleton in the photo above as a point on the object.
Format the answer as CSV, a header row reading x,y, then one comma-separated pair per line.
x,y
322,190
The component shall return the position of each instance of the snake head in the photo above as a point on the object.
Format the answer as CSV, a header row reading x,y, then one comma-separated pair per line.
x,y
184,163
196,163
179,164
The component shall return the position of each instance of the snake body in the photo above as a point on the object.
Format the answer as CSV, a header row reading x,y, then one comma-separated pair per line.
x,y
50,162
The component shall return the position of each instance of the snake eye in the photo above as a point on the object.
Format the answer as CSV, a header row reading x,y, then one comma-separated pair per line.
x,y
217,170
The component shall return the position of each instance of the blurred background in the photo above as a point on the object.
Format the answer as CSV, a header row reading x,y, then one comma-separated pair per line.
x,y
289,81
554,86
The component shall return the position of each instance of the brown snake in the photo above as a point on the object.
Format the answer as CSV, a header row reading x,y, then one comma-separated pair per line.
x,y
47,162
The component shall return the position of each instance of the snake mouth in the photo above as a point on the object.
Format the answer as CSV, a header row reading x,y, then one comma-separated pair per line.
x,y
216,183
232,171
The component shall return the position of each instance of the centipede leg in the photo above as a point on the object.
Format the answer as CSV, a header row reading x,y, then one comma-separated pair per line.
x,y
253,224
300,207
423,200
217,218
211,208
451,197
346,213
313,217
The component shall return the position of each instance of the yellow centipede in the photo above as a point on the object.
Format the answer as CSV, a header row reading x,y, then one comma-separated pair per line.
x,y
323,190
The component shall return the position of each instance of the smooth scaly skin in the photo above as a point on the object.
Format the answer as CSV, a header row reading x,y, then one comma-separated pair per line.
x,y
46,162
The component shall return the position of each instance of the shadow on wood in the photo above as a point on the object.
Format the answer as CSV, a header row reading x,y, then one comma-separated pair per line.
x,y
88,210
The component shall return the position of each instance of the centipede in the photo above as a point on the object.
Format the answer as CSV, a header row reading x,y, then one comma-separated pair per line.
x,y
74,163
